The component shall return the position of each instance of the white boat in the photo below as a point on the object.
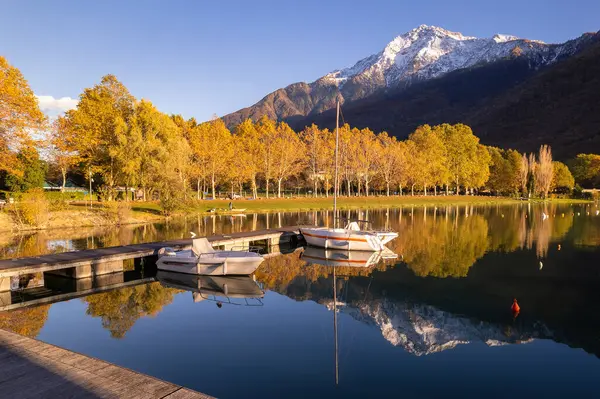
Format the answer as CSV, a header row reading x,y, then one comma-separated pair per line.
x,y
351,237
204,260
215,288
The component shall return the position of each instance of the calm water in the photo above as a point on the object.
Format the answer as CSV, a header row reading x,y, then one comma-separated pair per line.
x,y
435,322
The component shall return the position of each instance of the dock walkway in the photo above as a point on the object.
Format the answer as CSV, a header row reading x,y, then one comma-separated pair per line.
x,y
44,263
33,369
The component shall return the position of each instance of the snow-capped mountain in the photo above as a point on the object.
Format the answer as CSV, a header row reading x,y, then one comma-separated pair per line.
x,y
424,53
429,52
423,329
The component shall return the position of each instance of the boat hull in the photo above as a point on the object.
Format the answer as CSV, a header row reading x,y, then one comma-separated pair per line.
x,y
211,266
343,239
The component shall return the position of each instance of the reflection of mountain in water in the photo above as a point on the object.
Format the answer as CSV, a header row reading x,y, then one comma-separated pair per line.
x,y
423,329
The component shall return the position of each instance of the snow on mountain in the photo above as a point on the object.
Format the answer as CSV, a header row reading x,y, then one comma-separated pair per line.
x,y
423,329
429,52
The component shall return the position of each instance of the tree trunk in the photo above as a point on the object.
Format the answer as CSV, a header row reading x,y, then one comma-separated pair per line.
x,y
400,189
198,189
64,178
213,187
412,190
367,188
279,188
435,190
254,189
315,188
388,188
425,189
447,192
267,187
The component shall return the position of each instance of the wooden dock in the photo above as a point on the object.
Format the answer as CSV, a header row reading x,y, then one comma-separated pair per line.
x,y
33,369
93,257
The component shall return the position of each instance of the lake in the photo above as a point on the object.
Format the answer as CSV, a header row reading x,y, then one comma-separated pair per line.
x,y
436,321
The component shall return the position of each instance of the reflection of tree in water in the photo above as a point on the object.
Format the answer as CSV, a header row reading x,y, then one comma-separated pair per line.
x,y
442,246
278,272
120,309
26,322
517,228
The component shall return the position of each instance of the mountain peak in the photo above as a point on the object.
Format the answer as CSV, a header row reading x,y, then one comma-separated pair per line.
x,y
425,30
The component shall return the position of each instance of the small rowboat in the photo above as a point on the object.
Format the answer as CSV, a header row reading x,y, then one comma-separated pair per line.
x,y
204,260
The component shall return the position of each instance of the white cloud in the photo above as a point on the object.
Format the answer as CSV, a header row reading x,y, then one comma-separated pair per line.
x,y
53,107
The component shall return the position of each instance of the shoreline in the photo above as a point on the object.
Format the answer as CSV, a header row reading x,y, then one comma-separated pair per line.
x,y
149,212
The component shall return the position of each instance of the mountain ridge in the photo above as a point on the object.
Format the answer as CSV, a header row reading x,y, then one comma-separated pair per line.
x,y
422,54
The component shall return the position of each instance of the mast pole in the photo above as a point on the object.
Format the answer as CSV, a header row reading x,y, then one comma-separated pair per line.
x,y
336,182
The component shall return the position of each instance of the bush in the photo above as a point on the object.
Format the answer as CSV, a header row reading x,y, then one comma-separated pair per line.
x,y
66,196
34,208
118,212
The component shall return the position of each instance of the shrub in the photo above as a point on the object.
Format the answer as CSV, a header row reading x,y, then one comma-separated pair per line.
x,y
118,212
34,207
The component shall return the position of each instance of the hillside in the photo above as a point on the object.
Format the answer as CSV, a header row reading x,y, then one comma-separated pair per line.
x,y
507,103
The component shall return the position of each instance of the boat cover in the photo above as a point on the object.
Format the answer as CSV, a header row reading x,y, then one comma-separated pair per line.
x,y
201,246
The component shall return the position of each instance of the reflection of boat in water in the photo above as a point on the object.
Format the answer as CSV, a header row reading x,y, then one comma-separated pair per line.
x,y
336,257
204,260
221,289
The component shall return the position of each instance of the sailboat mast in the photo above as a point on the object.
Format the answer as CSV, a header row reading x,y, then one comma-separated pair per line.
x,y
336,182
335,333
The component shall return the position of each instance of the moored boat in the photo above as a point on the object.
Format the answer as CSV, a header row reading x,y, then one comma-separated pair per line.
x,y
204,260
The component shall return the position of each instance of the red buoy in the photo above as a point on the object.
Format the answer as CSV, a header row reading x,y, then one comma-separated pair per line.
x,y
515,307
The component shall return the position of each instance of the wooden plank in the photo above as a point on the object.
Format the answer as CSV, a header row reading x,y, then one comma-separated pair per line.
x,y
36,264
30,368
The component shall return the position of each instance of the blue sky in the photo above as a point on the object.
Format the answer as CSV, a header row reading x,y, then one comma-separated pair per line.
x,y
206,57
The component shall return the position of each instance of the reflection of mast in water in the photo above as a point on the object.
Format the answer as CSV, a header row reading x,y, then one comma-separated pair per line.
x,y
335,328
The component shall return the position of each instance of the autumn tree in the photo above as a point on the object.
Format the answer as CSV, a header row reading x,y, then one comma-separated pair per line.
x,y
100,124
215,150
318,155
562,179
288,154
266,129
164,155
62,148
524,173
544,171
32,171
504,171
247,136
19,115
431,154
462,155
586,170
390,160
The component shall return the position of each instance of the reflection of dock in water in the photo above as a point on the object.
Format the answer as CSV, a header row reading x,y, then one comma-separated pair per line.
x,y
58,289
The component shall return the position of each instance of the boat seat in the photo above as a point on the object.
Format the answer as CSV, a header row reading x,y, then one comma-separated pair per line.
x,y
201,246
353,226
